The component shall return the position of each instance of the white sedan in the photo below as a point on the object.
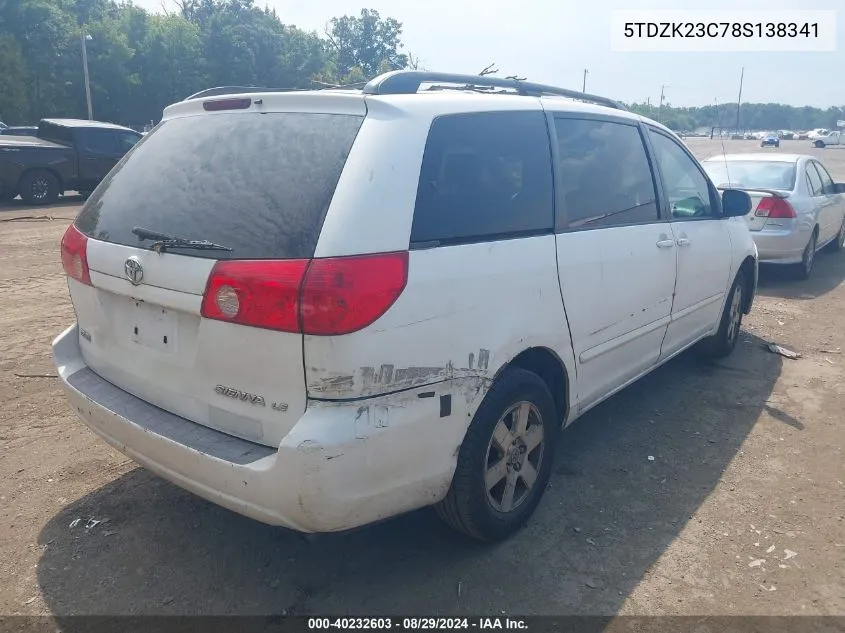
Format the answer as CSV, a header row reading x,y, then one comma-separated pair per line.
x,y
797,209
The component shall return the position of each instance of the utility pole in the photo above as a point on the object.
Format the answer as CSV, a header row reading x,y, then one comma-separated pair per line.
x,y
84,38
739,98
584,83
660,109
718,119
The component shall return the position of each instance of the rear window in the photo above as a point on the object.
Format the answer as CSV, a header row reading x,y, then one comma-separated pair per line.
x,y
747,174
257,183
55,133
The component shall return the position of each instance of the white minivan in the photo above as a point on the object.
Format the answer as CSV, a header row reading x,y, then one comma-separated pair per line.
x,y
322,309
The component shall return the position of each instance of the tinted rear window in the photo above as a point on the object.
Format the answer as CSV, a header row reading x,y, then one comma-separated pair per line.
x,y
748,174
484,176
55,133
257,183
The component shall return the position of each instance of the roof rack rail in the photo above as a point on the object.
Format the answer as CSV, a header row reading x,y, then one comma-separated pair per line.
x,y
409,82
231,90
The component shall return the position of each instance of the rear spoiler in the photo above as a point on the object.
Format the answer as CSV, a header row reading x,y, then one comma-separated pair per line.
x,y
772,192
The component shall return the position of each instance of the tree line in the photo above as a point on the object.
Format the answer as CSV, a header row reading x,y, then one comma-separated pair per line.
x,y
752,116
139,62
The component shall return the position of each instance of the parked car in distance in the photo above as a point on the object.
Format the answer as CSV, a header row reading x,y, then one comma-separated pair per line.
x,y
797,207
770,140
269,314
820,131
831,138
66,155
19,130
786,135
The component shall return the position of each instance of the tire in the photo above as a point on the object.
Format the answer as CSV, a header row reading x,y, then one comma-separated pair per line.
x,y
819,144
478,510
723,342
39,187
839,243
804,270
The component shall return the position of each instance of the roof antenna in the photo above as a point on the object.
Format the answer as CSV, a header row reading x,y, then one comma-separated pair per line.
x,y
489,70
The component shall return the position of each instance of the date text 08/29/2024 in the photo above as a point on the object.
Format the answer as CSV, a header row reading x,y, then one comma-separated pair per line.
x,y
416,623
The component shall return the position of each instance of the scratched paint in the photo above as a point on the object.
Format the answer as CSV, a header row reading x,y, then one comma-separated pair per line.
x,y
374,380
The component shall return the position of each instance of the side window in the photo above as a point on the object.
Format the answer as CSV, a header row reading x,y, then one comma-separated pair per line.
x,y
483,176
686,185
98,141
814,182
126,141
827,181
604,174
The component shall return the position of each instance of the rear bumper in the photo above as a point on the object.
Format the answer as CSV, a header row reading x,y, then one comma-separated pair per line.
x,y
781,246
341,466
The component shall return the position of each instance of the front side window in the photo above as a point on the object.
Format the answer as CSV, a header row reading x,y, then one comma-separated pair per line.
x,y
686,186
604,174
126,141
98,141
484,176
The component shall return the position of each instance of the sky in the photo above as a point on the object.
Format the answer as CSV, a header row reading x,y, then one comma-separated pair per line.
x,y
554,41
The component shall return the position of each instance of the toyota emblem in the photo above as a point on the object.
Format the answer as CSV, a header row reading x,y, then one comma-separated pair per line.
x,y
133,270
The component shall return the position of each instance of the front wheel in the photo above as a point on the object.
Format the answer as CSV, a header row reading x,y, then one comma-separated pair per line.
x,y
723,342
505,461
818,144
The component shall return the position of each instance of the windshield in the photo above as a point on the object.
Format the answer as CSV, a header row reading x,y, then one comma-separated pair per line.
x,y
747,174
258,183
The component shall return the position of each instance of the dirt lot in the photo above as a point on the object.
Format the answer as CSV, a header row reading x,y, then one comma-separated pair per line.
x,y
742,510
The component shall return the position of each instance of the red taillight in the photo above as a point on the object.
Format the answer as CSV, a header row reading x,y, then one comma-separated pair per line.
x,y
322,297
773,207
75,255
226,104
259,293
346,294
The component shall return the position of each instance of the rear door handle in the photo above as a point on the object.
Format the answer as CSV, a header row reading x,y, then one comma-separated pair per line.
x,y
683,241
665,244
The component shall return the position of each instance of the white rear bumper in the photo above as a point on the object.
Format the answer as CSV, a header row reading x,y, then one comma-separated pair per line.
x,y
342,465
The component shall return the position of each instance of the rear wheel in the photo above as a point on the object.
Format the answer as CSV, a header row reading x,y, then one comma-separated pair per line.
x,y
39,187
839,243
808,259
723,342
505,461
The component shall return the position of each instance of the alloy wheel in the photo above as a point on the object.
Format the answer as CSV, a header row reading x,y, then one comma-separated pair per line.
x,y
514,456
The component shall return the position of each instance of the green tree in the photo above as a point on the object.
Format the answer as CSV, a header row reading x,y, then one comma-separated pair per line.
x,y
367,42
13,73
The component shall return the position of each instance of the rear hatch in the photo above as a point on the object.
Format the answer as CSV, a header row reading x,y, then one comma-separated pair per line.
x,y
258,184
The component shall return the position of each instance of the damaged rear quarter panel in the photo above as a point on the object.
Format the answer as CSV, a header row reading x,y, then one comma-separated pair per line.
x,y
465,312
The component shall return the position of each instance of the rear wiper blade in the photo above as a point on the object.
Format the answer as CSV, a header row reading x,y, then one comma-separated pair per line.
x,y
199,245
165,241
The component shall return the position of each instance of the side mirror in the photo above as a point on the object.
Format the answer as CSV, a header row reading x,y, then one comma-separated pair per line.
x,y
735,203
839,187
